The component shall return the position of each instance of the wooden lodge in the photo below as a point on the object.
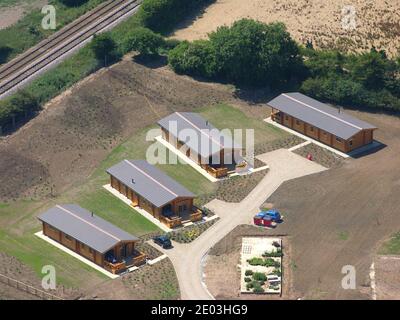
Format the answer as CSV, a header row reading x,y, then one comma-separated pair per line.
x,y
210,148
152,190
92,237
321,122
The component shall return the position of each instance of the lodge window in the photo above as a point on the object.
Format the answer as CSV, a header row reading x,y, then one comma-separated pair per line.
x,y
68,237
182,208
312,129
297,122
286,117
338,139
91,250
351,142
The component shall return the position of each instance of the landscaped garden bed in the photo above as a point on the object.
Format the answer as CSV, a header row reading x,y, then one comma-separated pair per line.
x,y
261,265
190,233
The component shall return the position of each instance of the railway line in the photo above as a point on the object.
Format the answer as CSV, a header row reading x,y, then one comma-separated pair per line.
x,y
51,50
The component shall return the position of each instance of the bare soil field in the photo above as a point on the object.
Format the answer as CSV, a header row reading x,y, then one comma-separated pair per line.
x,y
387,277
377,22
340,216
223,262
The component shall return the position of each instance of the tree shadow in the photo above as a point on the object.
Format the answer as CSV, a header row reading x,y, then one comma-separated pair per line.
x,y
151,61
5,52
194,14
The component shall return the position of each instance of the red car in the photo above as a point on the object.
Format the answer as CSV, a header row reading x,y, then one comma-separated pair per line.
x,y
264,220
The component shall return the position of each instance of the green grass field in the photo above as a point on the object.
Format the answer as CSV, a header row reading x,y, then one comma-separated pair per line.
x,y
392,246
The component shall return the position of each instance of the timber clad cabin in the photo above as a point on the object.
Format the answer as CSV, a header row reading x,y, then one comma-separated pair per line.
x,y
92,237
152,190
211,149
321,122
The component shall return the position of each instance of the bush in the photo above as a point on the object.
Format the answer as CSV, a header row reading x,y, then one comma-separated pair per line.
x,y
258,289
277,272
247,279
248,273
259,276
196,59
104,48
256,261
249,285
247,53
273,254
143,40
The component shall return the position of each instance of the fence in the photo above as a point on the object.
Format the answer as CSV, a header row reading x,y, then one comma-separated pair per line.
x,y
28,288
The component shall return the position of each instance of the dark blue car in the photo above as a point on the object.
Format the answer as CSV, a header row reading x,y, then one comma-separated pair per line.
x,y
163,241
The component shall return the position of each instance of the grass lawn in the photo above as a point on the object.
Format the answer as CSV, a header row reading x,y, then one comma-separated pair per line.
x,y
224,116
392,246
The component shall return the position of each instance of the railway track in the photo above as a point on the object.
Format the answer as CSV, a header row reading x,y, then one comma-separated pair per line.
x,y
25,66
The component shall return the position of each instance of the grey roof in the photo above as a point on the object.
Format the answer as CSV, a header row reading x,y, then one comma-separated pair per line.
x,y
79,223
149,182
319,115
207,141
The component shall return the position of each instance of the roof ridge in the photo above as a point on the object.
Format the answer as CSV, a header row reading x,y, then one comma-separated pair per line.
x,y
326,113
91,224
201,131
169,190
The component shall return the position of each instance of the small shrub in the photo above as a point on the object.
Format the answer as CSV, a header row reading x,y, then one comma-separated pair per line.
x,y
248,273
247,279
249,285
259,276
256,261
257,288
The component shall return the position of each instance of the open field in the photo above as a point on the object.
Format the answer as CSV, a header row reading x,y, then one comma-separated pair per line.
x,y
377,22
341,216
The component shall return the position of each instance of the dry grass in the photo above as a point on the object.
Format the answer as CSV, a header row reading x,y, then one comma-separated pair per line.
x,y
377,22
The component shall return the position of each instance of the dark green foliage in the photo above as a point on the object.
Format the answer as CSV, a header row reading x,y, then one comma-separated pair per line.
x,y
19,106
259,276
248,273
247,279
196,58
277,253
143,40
73,3
247,53
163,15
256,261
257,288
368,80
104,48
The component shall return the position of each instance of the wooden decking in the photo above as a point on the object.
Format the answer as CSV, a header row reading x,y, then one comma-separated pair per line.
x,y
137,259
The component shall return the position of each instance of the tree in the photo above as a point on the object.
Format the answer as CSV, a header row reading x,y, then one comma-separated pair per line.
x,y
104,48
254,53
371,69
196,58
143,40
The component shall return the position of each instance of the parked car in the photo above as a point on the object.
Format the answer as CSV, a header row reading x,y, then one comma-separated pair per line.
x,y
163,241
274,214
263,220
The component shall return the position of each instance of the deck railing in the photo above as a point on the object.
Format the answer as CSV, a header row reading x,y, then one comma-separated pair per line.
x,y
196,215
114,267
171,222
